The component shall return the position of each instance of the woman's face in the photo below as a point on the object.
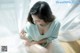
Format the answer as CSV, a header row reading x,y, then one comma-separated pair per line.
x,y
38,21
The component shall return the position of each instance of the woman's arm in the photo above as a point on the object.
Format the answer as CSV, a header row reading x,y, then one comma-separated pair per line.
x,y
55,32
42,41
23,36
27,42
39,42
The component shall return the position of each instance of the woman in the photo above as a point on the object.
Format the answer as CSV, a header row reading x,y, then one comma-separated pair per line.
x,y
41,29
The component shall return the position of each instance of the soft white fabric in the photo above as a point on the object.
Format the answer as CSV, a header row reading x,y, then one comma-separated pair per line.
x,y
12,11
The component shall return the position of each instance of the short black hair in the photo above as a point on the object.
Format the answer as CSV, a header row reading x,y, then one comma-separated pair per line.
x,y
42,10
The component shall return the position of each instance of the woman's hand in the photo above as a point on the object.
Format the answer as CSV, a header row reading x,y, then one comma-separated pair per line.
x,y
38,42
23,35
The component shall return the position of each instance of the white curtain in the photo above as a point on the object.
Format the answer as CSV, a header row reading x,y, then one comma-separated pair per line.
x,y
13,14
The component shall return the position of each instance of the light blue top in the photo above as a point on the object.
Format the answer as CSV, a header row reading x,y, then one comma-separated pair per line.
x,y
34,34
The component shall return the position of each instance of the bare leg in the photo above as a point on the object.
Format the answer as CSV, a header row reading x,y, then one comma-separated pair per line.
x,y
50,48
55,47
36,48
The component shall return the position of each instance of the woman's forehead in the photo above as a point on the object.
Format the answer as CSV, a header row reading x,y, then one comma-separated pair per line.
x,y
35,17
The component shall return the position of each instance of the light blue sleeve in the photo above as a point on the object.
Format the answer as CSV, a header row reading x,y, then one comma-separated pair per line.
x,y
27,30
54,34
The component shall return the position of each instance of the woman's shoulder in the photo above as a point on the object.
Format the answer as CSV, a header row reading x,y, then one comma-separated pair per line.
x,y
29,25
57,22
